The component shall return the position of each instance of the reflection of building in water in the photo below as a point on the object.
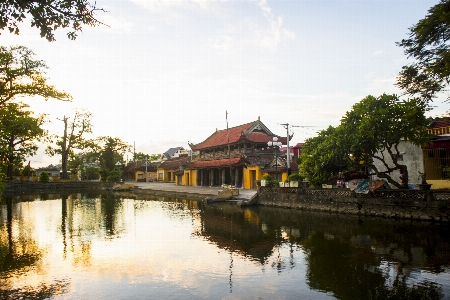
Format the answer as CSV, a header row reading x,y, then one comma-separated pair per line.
x,y
240,232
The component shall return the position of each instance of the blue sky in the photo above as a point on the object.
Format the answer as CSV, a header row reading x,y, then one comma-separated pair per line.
x,y
164,72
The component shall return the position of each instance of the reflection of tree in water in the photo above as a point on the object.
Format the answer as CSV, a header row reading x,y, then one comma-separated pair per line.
x,y
16,252
350,272
42,291
111,206
19,253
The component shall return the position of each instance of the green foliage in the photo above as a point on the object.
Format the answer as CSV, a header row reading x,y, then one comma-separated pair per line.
x,y
48,16
371,132
2,182
26,171
428,44
19,134
21,75
272,183
374,128
114,175
324,157
295,177
90,173
266,177
110,151
72,138
44,177
142,156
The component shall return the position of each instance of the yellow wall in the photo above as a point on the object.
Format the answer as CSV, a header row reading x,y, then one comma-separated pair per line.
x,y
184,179
166,175
151,176
439,184
248,177
192,174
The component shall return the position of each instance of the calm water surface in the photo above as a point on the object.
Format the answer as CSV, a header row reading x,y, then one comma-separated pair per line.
x,y
144,247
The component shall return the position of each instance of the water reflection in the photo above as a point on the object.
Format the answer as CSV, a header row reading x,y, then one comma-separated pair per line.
x,y
122,245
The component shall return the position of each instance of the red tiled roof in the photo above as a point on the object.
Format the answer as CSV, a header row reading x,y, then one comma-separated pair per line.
x,y
262,137
220,137
216,163
440,122
174,163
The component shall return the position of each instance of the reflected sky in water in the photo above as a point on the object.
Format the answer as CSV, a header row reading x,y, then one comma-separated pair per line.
x,y
140,247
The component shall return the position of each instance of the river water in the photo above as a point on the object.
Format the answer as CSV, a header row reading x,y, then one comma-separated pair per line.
x,y
125,246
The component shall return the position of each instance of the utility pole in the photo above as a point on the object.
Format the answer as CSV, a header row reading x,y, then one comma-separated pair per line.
x,y
288,152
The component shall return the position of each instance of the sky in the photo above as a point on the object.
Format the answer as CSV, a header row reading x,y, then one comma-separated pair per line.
x,y
164,72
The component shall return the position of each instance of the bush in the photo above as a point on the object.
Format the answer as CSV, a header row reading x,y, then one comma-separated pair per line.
x,y
272,183
114,176
44,177
267,177
295,177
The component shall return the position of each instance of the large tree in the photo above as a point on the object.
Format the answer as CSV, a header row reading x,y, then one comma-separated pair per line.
x,y
73,138
428,44
107,152
374,129
323,157
21,75
19,132
49,15
368,137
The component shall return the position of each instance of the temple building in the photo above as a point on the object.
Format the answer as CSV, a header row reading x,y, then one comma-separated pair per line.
x,y
237,156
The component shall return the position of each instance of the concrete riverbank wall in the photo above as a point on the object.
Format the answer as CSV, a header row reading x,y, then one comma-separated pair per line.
x,y
401,204
17,188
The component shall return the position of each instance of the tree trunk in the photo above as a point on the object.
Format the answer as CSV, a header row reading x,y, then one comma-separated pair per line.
x,y
64,152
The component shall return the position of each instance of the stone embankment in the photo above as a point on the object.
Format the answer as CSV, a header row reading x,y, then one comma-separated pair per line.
x,y
18,188
400,204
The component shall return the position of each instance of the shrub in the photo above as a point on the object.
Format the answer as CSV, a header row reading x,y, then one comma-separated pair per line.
x,y
44,177
295,177
267,177
272,183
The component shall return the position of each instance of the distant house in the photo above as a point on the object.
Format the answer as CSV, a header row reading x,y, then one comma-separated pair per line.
x,y
436,156
175,152
53,171
172,169
140,171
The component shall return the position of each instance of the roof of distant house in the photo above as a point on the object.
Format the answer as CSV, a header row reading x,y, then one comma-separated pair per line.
x,y
172,151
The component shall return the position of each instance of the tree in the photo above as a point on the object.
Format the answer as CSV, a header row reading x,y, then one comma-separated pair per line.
x,y
322,157
72,138
112,151
140,156
21,75
372,131
368,136
106,151
19,132
428,44
49,15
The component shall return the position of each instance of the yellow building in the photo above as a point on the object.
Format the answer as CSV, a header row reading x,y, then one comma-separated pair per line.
x,y
238,156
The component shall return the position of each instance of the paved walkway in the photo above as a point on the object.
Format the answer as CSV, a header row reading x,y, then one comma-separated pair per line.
x,y
172,187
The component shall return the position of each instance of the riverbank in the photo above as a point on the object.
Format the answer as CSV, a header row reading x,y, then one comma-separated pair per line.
x,y
394,204
20,188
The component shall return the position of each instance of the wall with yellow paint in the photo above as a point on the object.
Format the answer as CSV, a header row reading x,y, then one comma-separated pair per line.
x,y
247,174
439,184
